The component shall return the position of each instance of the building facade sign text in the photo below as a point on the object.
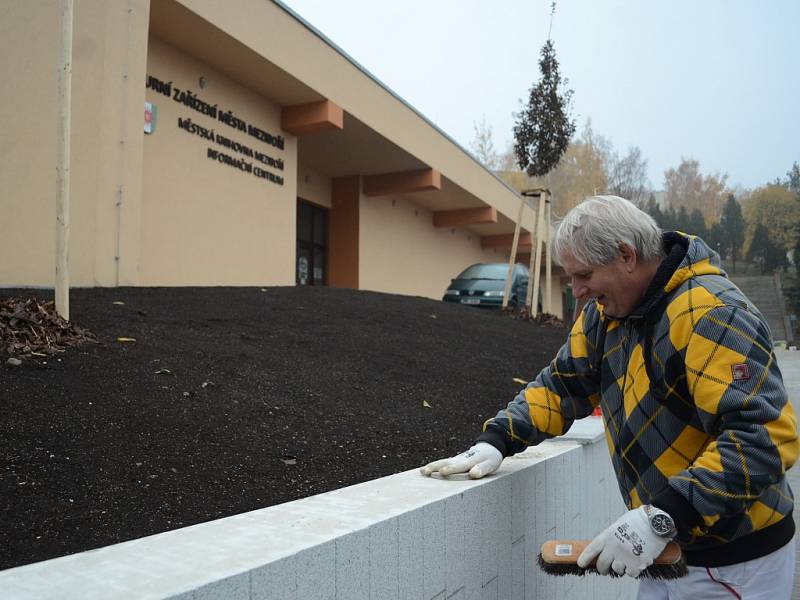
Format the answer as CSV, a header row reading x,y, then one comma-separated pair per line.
x,y
191,100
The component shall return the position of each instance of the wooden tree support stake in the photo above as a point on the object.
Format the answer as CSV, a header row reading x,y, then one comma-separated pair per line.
x,y
63,160
513,256
536,267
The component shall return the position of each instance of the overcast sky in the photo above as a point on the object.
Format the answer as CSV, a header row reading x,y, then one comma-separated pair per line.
x,y
712,80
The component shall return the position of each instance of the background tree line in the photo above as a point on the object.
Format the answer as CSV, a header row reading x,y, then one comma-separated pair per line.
x,y
755,231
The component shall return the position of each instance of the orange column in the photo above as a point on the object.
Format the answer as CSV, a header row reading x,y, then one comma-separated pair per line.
x,y
343,232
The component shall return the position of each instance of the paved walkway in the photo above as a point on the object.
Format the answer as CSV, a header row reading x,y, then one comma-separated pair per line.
x,y
789,363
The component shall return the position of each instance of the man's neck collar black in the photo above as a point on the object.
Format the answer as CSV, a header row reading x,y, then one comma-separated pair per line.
x,y
675,248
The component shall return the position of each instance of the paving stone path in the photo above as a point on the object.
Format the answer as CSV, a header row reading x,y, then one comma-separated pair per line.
x,y
789,363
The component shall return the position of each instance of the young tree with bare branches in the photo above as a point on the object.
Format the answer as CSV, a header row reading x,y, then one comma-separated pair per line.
x,y
627,176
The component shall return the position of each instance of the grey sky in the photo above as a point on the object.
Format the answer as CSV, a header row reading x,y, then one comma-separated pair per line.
x,y
709,79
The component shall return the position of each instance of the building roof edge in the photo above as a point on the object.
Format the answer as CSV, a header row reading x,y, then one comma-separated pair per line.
x,y
397,96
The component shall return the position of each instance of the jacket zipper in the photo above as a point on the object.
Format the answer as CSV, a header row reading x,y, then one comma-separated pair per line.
x,y
629,331
629,334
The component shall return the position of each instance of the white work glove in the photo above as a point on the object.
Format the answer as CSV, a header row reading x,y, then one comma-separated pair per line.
x,y
480,460
629,546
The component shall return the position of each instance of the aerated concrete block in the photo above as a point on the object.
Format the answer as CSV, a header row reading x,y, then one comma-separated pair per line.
x,y
230,588
457,595
275,581
517,570
455,542
316,572
535,531
410,554
504,537
352,566
490,590
492,537
474,499
546,583
384,559
521,499
434,566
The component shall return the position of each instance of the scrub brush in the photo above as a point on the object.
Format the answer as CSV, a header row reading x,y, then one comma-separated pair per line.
x,y
560,557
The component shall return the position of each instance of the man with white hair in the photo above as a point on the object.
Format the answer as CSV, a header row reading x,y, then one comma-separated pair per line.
x,y
700,428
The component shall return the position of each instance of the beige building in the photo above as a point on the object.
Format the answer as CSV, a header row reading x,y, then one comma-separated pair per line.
x,y
264,156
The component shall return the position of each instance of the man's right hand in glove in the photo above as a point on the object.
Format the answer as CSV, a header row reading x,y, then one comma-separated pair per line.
x,y
480,460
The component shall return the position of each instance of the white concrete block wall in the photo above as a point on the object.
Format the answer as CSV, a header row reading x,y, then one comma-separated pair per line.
x,y
404,536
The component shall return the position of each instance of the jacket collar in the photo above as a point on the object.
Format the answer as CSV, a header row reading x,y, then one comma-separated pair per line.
x,y
676,247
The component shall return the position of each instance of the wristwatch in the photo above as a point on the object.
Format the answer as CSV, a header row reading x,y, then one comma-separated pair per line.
x,y
660,522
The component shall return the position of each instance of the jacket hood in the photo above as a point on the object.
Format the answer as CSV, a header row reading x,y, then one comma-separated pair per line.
x,y
687,256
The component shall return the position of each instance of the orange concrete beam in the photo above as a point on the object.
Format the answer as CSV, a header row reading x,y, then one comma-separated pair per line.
x,y
464,216
505,241
404,182
300,119
343,225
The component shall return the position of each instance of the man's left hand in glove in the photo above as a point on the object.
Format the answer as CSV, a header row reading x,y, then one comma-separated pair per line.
x,y
631,544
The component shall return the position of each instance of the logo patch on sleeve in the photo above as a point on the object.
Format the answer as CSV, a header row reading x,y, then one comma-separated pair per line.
x,y
741,372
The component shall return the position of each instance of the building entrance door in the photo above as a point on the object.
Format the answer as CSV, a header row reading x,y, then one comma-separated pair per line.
x,y
312,244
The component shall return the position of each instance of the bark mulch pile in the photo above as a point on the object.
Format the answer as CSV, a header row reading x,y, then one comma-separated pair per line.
x,y
199,403
31,328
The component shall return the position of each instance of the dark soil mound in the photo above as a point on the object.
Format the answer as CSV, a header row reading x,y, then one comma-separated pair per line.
x,y
233,399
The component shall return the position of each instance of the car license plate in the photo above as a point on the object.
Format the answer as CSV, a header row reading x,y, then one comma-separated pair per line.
x,y
470,301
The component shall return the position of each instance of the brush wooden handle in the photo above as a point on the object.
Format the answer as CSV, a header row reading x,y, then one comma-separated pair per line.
x,y
566,552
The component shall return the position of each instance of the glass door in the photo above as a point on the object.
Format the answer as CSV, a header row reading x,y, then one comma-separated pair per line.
x,y
312,243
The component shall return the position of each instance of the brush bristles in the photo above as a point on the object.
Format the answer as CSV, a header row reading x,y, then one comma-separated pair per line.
x,y
655,571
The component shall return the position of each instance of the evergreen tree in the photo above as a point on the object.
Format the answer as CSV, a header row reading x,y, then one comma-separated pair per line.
x,y
732,227
764,252
682,220
714,238
793,179
670,219
757,249
696,225
544,127
652,209
796,251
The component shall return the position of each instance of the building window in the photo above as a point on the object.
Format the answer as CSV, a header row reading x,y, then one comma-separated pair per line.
x,y
312,244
